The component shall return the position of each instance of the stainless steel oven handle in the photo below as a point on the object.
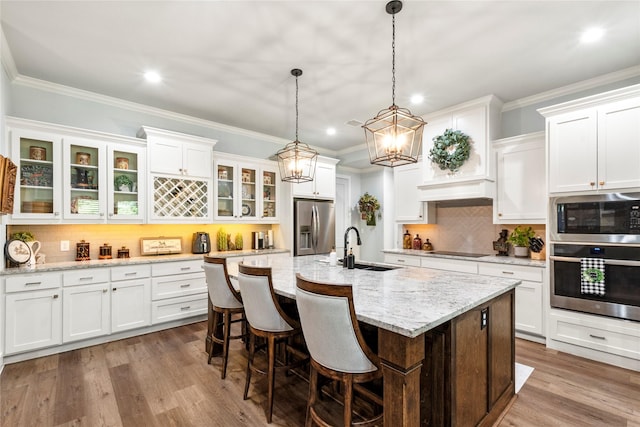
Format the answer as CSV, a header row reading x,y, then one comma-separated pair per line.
x,y
625,262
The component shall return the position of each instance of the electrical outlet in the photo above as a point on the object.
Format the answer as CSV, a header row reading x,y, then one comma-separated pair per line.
x,y
64,245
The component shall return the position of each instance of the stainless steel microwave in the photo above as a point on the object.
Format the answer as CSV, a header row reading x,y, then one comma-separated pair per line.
x,y
602,218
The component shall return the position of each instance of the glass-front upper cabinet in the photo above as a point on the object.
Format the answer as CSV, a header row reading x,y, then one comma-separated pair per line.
x,y
237,191
125,179
225,191
37,154
85,180
269,187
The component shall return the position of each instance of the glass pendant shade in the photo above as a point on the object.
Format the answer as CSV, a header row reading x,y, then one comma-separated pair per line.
x,y
394,137
297,161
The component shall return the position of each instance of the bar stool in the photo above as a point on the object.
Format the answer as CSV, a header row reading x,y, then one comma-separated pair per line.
x,y
267,320
226,302
337,348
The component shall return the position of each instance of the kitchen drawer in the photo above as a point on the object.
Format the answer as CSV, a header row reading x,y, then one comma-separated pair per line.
x,y
532,274
85,276
178,308
33,282
596,335
409,260
178,286
450,265
130,272
170,268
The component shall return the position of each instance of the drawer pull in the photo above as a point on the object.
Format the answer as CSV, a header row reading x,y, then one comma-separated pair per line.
x,y
55,296
114,289
32,283
86,278
186,285
104,291
185,308
400,260
507,272
185,268
133,273
597,337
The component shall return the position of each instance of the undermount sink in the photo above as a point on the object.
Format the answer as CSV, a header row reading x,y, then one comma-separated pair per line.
x,y
373,267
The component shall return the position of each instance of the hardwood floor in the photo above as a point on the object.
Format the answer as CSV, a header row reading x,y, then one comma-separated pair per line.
x,y
162,379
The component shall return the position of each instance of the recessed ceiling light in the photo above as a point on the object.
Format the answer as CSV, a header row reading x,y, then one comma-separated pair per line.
x,y
331,131
591,35
417,99
152,77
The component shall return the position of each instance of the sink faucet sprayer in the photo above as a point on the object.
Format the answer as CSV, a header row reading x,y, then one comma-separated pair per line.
x,y
346,242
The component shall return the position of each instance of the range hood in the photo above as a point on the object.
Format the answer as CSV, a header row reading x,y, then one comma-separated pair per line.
x,y
464,203
474,192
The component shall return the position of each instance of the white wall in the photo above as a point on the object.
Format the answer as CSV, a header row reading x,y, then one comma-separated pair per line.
x,y
4,150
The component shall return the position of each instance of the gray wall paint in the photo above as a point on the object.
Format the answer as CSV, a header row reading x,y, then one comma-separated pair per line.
x,y
527,119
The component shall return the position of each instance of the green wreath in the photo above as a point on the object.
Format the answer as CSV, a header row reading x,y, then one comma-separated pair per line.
x,y
442,154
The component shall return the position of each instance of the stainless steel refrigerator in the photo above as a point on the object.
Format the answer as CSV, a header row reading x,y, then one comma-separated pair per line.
x,y
315,227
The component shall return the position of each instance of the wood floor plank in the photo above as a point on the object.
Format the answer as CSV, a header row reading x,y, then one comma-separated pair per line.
x,y
163,379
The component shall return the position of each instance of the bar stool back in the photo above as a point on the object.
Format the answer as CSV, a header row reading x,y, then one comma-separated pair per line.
x,y
337,348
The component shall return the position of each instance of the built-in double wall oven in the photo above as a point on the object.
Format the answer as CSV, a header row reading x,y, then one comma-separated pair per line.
x,y
595,254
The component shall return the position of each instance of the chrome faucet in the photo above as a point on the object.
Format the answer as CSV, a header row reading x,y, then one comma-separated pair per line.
x,y
346,242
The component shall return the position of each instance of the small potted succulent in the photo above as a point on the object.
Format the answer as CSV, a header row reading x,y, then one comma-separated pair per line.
x,y
519,238
123,183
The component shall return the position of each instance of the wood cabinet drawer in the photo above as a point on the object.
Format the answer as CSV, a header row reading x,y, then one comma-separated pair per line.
x,y
450,265
532,274
85,276
177,286
596,335
170,268
32,282
409,260
178,308
130,272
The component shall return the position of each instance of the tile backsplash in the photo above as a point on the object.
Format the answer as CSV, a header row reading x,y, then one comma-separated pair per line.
x,y
127,235
464,229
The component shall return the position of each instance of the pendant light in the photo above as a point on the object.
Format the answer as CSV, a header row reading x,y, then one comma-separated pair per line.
x,y
297,161
394,135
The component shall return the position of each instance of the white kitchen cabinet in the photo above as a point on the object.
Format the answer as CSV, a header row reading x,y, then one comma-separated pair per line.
x,y
85,180
398,259
450,264
33,317
594,143
175,153
130,297
38,154
323,185
480,120
86,304
245,190
409,209
178,290
521,195
530,313
126,203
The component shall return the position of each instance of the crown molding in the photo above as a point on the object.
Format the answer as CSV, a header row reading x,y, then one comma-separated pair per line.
x,y
140,108
573,88
6,57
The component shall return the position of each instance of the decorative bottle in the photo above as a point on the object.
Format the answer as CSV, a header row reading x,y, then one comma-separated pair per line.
x,y
351,260
406,240
427,246
417,242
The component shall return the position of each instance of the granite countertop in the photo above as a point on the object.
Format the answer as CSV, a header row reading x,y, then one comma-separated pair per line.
x,y
150,259
488,258
407,300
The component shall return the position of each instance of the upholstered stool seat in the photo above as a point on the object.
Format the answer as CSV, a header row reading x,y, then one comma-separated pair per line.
x,y
337,348
267,320
226,303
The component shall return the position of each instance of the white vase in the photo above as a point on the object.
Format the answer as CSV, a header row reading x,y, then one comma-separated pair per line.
x,y
520,251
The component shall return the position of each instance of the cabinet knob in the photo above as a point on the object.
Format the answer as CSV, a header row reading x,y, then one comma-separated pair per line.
x,y
56,214
55,296
111,214
114,289
592,183
601,183
104,291
101,214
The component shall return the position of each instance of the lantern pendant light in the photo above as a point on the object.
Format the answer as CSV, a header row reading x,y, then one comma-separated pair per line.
x,y
394,135
297,161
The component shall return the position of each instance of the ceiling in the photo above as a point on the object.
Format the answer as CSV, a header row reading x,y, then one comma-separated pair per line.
x,y
230,61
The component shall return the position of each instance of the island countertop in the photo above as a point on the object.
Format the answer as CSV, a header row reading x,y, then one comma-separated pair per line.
x,y
407,300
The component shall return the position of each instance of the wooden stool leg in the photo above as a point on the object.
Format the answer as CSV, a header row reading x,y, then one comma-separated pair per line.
x,y
313,393
225,345
252,341
348,399
214,324
271,351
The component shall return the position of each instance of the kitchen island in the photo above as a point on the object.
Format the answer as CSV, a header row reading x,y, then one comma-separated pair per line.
x,y
445,340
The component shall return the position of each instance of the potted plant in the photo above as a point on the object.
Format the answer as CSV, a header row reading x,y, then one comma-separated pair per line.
x,y
368,205
25,236
519,238
123,183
